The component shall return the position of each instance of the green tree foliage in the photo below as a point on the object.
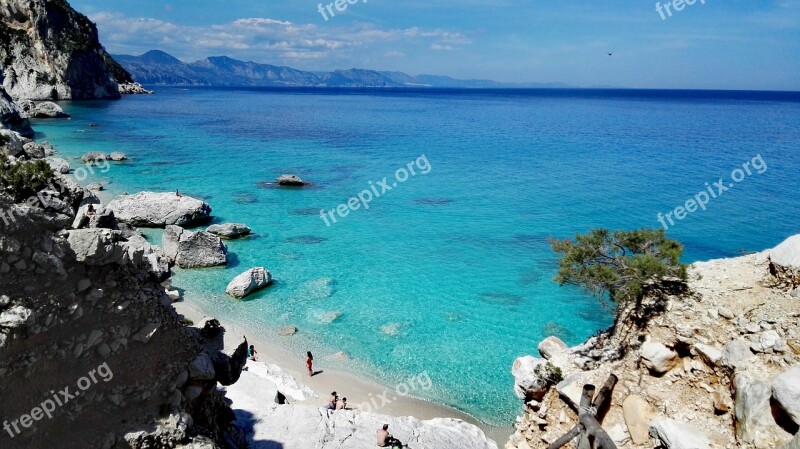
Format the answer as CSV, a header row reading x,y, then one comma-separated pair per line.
x,y
617,265
24,179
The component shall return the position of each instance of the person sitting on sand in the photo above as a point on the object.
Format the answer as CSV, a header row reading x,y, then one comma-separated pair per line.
x,y
251,353
385,439
90,211
331,405
310,364
341,404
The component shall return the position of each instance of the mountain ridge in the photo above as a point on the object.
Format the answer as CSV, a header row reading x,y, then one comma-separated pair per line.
x,y
158,67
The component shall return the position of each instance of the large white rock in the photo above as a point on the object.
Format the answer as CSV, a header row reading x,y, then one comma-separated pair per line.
x,y
248,282
269,425
229,230
736,353
753,415
14,317
677,435
710,355
787,254
44,109
159,209
526,378
657,357
13,144
193,249
551,346
310,427
786,392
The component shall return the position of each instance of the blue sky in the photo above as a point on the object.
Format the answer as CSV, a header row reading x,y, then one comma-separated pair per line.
x,y
722,44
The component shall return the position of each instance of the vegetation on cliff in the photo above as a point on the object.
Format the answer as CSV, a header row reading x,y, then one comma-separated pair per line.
x,y
617,265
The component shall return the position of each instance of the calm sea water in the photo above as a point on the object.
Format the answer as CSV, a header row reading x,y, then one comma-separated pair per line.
x,y
450,272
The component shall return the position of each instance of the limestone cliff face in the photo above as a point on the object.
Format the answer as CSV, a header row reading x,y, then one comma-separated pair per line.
x,y
92,353
11,117
49,51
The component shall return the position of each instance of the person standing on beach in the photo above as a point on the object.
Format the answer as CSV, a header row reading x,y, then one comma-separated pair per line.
x,y
251,353
310,364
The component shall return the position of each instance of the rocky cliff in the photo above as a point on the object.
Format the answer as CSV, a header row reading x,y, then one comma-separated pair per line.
x,y
49,51
92,353
715,366
11,117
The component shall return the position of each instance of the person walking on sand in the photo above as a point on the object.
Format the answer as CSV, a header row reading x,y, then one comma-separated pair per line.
x,y
310,364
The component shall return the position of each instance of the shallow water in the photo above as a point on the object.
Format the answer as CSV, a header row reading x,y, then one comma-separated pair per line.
x,y
449,272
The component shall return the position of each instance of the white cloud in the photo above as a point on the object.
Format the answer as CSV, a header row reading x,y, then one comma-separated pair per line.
x,y
264,39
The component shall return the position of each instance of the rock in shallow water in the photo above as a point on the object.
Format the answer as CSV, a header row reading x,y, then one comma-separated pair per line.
x,y
229,230
160,209
193,249
291,181
248,282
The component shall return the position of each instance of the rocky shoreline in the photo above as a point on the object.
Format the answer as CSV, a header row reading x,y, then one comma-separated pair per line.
x,y
716,366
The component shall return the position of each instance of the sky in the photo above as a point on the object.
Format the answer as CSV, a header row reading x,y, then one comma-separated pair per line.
x,y
711,44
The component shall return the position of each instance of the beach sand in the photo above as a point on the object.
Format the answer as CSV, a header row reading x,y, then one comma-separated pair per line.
x,y
356,389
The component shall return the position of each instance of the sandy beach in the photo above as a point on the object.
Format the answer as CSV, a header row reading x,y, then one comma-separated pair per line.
x,y
357,389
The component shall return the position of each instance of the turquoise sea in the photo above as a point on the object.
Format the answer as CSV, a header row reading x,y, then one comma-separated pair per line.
x,y
449,272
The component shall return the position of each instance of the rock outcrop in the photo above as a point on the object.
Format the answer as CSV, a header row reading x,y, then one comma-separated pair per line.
x,y
188,249
714,366
75,307
784,262
229,230
133,88
43,109
248,282
265,420
151,209
290,181
52,52
11,117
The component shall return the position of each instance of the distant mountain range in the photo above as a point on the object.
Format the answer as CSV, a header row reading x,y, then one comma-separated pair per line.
x,y
157,67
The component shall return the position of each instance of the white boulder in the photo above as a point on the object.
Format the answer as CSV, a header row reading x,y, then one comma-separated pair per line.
x,y
657,357
188,249
786,392
677,435
787,254
229,230
248,282
526,378
551,346
160,209
754,422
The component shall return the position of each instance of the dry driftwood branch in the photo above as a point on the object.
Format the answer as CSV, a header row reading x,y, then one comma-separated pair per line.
x,y
589,432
